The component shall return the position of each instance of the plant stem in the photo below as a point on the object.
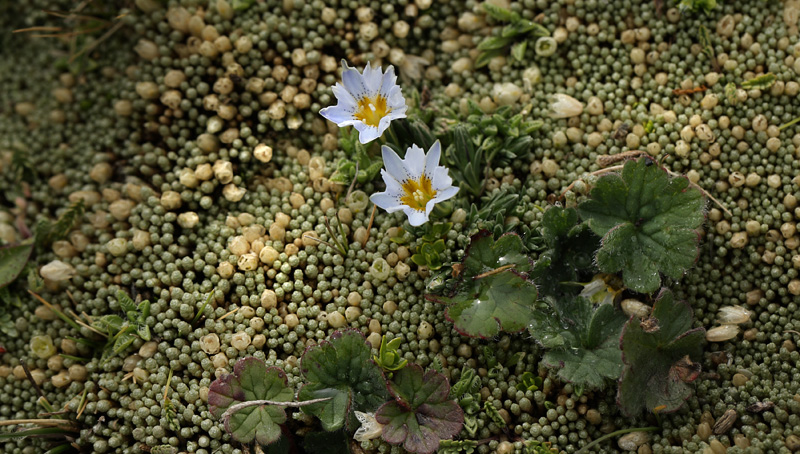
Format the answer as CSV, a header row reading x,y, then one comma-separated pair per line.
x,y
82,403
352,184
40,422
790,123
494,271
203,307
393,137
342,249
166,388
586,448
252,403
371,218
60,314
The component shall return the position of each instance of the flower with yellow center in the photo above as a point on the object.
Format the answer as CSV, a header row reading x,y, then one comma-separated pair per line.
x,y
368,101
414,184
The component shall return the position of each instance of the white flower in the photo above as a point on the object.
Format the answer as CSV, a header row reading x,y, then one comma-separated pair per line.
x,y
368,101
565,106
414,184
370,427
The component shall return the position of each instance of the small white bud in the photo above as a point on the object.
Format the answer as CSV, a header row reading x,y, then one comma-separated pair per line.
x,y
57,271
565,106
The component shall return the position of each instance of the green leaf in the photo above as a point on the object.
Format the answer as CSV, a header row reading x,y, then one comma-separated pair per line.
x,y
494,293
494,43
591,352
761,82
421,413
518,50
530,382
125,302
485,255
697,5
536,30
466,160
499,13
345,171
486,56
649,223
143,331
13,260
341,369
241,5
144,310
467,383
251,380
457,446
123,340
388,358
111,324
430,255
568,252
492,207
661,356
43,431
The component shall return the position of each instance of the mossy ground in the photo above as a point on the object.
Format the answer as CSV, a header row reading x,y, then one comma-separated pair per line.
x,y
137,126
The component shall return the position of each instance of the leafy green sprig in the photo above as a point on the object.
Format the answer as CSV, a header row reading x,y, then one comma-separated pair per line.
x,y
122,332
513,37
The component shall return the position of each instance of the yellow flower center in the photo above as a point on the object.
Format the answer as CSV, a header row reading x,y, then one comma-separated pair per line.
x,y
371,110
417,193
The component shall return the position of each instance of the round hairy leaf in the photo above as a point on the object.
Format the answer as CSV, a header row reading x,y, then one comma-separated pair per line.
x,y
421,413
341,369
590,353
494,293
656,353
648,222
251,380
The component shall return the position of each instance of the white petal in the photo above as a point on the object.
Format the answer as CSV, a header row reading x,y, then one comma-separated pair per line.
x,y
372,79
441,179
443,195
383,124
415,161
432,159
344,97
353,82
415,217
395,100
392,185
366,133
395,167
338,115
388,82
389,202
393,115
